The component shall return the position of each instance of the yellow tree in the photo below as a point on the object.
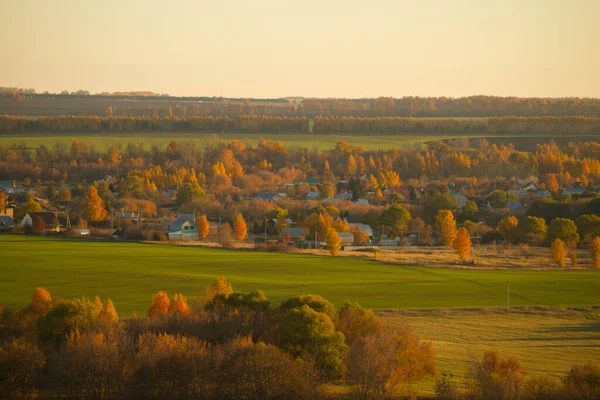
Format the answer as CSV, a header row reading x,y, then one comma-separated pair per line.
x,y
41,301
93,208
333,241
508,228
240,230
3,200
203,226
160,304
462,243
559,252
595,250
446,225
179,305
108,313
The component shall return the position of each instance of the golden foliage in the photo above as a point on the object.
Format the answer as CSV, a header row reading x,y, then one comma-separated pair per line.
x,y
108,313
559,252
462,243
446,225
240,230
160,304
595,250
333,241
203,226
41,301
179,305
93,208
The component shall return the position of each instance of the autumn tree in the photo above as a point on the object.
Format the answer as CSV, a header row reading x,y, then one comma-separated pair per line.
x,y
462,243
509,228
559,252
446,226
203,226
379,363
333,241
160,304
355,322
41,301
108,313
240,230
595,250
495,378
179,305
20,365
3,201
94,207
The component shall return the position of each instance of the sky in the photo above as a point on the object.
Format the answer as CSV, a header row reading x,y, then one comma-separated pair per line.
x,y
310,48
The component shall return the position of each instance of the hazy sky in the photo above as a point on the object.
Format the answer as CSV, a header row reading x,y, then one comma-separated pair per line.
x,y
325,48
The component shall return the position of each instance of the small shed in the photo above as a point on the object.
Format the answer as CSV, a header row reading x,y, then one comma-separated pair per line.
x,y
346,238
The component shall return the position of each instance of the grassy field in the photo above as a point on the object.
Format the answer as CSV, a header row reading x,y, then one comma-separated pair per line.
x,y
545,343
130,273
310,141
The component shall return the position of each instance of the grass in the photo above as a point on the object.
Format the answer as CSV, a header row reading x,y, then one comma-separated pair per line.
x,y
545,343
130,273
319,141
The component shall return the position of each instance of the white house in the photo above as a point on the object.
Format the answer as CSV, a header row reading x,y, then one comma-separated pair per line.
x,y
183,228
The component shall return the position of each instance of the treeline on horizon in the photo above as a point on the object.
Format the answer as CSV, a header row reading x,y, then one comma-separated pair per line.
x,y
409,106
327,125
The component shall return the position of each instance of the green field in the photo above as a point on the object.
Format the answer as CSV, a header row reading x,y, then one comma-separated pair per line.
x,y
546,343
310,141
130,273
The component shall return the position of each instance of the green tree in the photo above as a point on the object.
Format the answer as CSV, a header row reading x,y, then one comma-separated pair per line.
x,y
498,199
588,225
395,219
535,229
64,318
440,201
314,301
563,229
311,335
189,192
509,228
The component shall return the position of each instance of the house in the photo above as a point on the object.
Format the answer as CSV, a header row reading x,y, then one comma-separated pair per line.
x,y
543,193
294,233
50,221
344,196
331,200
6,223
346,238
183,228
461,200
519,192
364,228
6,186
312,195
362,202
271,196
516,207
532,187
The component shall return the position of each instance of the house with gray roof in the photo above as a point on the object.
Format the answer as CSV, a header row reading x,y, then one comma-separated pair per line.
x,y
6,223
183,228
